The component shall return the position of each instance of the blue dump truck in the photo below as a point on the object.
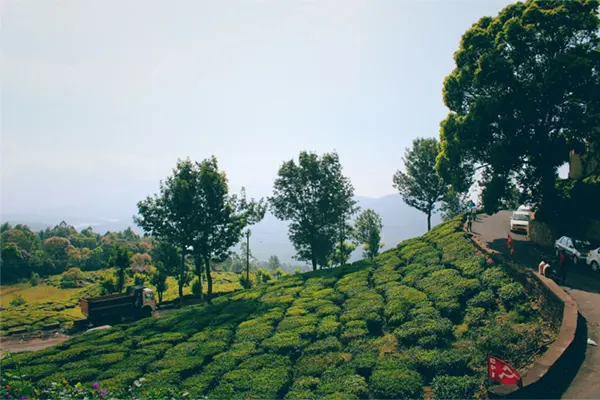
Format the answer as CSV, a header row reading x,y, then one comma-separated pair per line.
x,y
137,302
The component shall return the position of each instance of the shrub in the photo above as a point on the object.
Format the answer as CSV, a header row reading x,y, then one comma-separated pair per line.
x,y
396,384
365,353
454,387
71,278
511,294
162,338
396,311
494,278
284,343
316,364
37,372
328,326
386,274
484,299
434,362
253,330
109,285
425,331
162,380
354,330
413,273
35,279
475,315
471,267
303,388
408,251
18,301
342,382
366,305
330,343
181,365
266,361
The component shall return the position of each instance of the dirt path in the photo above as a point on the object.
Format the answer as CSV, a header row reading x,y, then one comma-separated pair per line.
x,y
582,285
15,345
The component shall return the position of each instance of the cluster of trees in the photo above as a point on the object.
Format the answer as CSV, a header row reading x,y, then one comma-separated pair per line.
x,y
195,217
54,250
523,95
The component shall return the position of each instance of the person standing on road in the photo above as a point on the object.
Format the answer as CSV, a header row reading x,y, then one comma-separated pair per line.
x,y
563,267
470,222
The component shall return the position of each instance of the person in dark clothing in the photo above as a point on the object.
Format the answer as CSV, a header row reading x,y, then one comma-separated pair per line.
x,y
470,222
563,267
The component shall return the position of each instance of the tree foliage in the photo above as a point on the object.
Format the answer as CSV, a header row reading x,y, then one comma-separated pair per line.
x,y
195,212
220,217
274,263
315,197
454,204
420,186
368,232
523,94
122,262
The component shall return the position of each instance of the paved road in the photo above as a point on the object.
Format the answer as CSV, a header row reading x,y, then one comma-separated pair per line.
x,y
582,285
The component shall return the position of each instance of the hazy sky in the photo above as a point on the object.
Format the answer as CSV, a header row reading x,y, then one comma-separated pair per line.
x,y
100,98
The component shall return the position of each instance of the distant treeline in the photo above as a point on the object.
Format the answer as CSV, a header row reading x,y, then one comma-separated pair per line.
x,y
54,250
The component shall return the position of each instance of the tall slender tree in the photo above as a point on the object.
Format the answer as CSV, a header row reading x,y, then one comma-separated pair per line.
x,y
170,215
220,218
314,196
368,231
122,262
420,186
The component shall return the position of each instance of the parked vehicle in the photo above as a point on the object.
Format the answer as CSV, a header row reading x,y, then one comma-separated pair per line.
x,y
593,259
138,301
519,221
576,250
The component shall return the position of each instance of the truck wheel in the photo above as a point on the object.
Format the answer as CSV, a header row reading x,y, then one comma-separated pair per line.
x,y
595,266
146,312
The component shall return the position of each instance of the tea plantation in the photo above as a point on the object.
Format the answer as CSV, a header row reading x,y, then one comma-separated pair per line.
x,y
425,316
48,303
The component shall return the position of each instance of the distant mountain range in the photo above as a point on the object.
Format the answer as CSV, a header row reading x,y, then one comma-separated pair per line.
x,y
270,236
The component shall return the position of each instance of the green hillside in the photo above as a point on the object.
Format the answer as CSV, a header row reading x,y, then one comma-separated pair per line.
x,y
48,303
426,316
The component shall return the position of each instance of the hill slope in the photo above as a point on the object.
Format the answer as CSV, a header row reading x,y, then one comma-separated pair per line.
x,y
426,315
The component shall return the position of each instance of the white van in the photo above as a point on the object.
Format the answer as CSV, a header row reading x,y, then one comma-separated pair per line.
x,y
519,221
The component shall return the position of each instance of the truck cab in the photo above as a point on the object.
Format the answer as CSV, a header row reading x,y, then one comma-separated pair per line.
x,y
148,301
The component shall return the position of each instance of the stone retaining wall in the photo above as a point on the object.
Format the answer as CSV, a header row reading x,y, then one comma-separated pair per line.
x,y
542,233
551,374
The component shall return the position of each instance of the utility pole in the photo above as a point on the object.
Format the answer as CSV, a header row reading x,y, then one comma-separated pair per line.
x,y
248,255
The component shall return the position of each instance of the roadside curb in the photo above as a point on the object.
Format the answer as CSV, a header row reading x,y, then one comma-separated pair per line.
x,y
552,373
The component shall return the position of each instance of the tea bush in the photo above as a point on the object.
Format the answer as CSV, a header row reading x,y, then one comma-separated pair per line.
x,y
425,313
454,387
396,384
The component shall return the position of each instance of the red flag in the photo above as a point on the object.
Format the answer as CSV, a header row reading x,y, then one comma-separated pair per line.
x,y
502,372
509,242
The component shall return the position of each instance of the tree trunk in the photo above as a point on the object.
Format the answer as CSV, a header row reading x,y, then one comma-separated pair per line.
x,y
181,275
342,252
248,256
314,263
208,281
199,265
428,221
